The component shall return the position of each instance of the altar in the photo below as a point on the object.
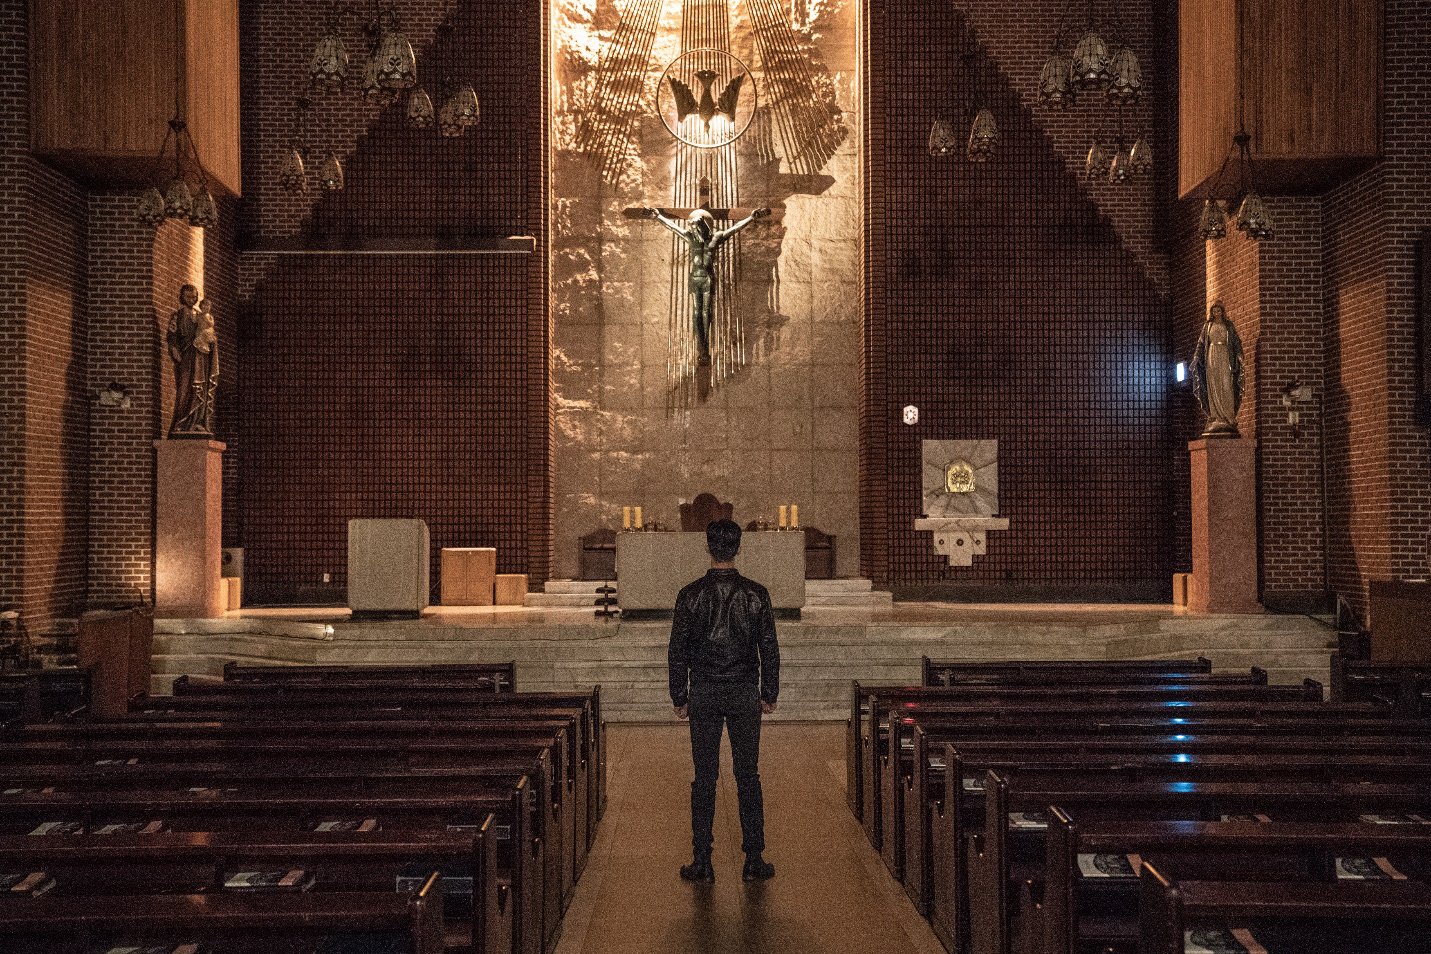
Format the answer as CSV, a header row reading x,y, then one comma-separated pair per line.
x,y
651,568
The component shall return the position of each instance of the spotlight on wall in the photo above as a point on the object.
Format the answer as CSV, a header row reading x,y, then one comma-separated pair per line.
x,y
911,415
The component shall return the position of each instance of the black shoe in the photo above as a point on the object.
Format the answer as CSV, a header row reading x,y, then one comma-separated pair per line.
x,y
698,871
757,869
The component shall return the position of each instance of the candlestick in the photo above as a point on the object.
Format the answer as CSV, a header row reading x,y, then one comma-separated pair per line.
x,y
794,516
784,516
638,518
625,518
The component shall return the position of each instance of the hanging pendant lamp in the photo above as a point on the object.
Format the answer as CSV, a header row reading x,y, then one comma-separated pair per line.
x,y
420,112
942,140
1212,224
1090,61
293,176
331,175
329,65
1055,85
1125,77
983,136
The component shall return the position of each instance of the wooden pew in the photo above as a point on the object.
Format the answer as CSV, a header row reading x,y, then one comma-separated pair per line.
x,y
100,866
1032,672
542,852
565,789
193,700
1002,850
1303,916
1406,689
259,812
938,672
407,729
501,677
1072,912
1082,704
919,791
870,705
230,922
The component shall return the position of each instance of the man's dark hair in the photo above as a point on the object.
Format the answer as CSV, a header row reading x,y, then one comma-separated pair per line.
x,y
723,540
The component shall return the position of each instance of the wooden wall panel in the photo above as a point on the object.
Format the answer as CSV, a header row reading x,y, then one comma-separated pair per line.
x,y
103,78
1310,72
1207,88
1313,75
212,31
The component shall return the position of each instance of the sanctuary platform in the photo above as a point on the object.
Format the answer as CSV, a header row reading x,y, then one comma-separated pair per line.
x,y
567,648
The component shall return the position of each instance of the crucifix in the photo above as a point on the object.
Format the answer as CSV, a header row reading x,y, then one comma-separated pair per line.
x,y
697,228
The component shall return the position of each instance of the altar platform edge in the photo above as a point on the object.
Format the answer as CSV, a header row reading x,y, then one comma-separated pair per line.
x,y
558,649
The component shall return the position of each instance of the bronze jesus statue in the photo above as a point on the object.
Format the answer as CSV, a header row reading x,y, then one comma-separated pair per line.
x,y
704,240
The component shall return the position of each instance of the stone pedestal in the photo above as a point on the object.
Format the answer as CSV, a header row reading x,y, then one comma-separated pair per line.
x,y
1224,526
188,551
960,539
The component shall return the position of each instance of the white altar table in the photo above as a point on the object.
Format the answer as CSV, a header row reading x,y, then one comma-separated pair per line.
x,y
651,568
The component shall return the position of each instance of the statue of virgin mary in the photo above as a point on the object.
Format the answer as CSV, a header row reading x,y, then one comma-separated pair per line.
x,y
1217,373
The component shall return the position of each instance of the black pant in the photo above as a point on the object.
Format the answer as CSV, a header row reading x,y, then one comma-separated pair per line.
x,y
737,707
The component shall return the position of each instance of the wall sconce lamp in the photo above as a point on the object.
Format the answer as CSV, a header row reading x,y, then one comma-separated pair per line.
x,y
113,394
1180,372
1292,395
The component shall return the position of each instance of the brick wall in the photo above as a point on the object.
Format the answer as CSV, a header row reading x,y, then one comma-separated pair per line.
x,y
43,408
1345,498
393,385
1010,301
1378,459
1273,293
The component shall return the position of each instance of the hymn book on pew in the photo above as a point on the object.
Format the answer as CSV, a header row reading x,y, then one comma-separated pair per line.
x,y
456,880
59,828
295,880
29,884
132,828
1109,866
156,949
348,824
1367,869
1028,820
1221,941
1396,819
1246,818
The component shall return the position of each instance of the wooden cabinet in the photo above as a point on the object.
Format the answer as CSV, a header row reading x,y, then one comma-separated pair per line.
x,y
1309,74
104,79
1400,634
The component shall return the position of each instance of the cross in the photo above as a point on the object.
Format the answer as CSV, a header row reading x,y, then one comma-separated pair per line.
x,y
720,215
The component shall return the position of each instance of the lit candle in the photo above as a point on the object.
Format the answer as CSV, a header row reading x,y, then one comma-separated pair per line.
x,y
784,516
625,518
638,518
795,516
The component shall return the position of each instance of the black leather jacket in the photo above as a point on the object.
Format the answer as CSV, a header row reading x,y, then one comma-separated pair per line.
x,y
723,632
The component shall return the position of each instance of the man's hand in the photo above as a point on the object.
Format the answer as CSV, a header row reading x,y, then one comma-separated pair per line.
x,y
760,214
768,707
681,712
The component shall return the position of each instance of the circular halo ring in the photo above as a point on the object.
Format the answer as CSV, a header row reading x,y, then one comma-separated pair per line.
x,y
664,94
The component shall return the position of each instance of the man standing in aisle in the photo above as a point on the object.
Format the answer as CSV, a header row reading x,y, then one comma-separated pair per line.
x,y
725,672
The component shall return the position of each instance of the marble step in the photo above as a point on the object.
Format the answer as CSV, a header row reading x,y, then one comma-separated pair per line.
x,y
561,600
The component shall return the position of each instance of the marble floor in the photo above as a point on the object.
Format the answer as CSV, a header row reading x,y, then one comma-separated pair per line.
x,y
831,893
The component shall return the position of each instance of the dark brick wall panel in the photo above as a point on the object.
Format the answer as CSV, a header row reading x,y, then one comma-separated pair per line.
x,y
397,385
1009,301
